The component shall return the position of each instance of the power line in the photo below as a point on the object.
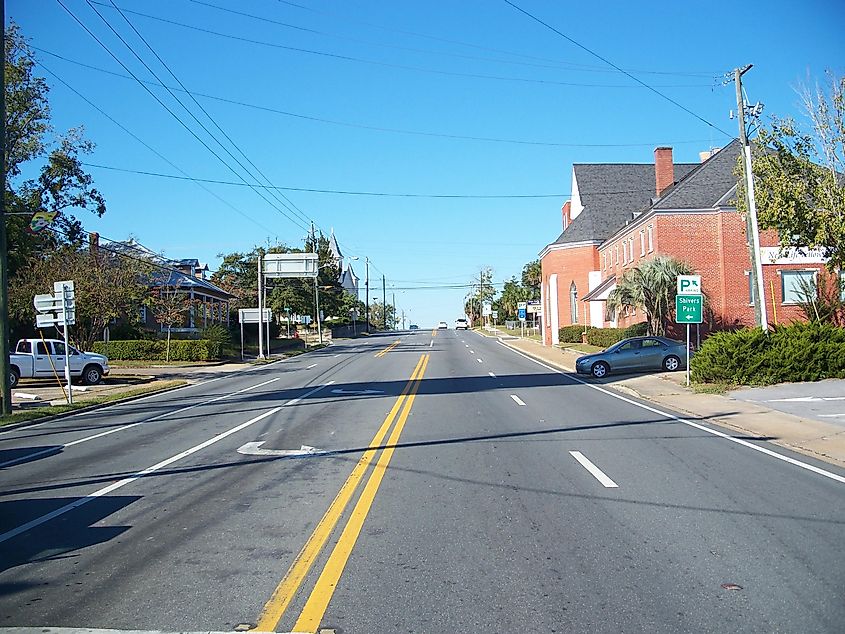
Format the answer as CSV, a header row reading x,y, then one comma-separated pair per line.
x,y
607,61
153,150
173,114
283,199
361,126
321,191
559,65
360,60
708,184
351,19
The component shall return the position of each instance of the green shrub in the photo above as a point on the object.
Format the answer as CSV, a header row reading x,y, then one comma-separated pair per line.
x,y
605,337
636,330
572,334
219,333
798,352
144,350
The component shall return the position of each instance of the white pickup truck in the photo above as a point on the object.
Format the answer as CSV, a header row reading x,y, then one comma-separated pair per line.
x,y
32,359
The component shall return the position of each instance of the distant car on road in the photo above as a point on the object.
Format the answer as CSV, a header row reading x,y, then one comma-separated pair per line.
x,y
461,324
442,325
635,354
413,327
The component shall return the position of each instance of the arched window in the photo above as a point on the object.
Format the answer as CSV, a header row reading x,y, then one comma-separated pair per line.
x,y
573,302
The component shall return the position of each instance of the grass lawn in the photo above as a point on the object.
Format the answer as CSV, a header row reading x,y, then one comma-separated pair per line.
x,y
35,413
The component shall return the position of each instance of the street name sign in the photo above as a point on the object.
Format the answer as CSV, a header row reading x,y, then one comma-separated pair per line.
x,y
688,309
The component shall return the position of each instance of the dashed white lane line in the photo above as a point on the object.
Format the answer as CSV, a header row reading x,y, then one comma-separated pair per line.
x,y
492,375
654,410
472,351
140,474
517,400
479,360
313,365
597,473
431,345
79,441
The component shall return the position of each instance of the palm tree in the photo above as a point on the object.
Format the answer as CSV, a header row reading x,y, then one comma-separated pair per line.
x,y
651,286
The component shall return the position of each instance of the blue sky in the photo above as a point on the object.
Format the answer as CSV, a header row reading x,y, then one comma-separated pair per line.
x,y
374,96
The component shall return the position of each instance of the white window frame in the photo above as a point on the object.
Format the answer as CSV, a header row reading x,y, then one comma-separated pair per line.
x,y
650,230
624,252
642,242
790,273
631,247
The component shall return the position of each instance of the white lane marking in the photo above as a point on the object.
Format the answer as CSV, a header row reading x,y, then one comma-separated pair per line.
x,y
517,400
597,473
830,415
472,351
431,345
79,441
336,356
121,483
140,474
254,449
313,365
806,399
479,360
653,410
466,346
294,401
492,375
356,392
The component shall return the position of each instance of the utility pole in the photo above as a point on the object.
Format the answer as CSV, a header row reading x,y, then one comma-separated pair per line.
x,y
316,290
393,316
260,306
481,298
4,275
752,229
383,303
367,266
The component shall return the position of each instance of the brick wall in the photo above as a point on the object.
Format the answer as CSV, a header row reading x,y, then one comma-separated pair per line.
x,y
571,264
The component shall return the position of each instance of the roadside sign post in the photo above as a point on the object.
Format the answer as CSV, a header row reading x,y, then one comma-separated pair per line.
x,y
688,310
521,310
58,308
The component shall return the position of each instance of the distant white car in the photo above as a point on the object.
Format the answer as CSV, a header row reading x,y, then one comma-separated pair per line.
x,y
461,324
442,325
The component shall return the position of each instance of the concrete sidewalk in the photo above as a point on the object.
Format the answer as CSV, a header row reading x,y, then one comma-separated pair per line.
x,y
814,438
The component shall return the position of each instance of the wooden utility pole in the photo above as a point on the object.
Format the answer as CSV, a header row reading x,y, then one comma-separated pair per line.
x,y
752,231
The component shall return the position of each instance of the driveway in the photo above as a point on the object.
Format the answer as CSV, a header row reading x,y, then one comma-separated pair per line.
x,y
822,400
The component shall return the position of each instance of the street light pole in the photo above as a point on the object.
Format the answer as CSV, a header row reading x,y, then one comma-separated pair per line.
x,y
4,282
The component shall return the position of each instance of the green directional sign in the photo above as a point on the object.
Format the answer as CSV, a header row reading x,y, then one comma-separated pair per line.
x,y
688,309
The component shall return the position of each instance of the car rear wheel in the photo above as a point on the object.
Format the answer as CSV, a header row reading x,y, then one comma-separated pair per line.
x,y
14,377
671,363
91,375
599,369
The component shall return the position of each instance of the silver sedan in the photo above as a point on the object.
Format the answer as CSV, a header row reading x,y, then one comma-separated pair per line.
x,y
634,355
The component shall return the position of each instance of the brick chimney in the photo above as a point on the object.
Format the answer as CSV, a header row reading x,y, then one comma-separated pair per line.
x,y
565,213
664,169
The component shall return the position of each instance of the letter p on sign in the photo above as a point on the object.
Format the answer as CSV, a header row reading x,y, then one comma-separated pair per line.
x,y
689,285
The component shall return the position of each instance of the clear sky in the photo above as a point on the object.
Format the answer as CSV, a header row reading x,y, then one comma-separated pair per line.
x,y
383,97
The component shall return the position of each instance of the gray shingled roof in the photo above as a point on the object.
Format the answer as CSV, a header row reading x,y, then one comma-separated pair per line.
x,y
610,192
703,187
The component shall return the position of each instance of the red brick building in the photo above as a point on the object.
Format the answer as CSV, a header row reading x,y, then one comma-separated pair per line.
x,y
621,214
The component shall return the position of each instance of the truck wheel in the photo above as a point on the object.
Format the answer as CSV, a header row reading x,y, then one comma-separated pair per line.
x,y
91,375
14,377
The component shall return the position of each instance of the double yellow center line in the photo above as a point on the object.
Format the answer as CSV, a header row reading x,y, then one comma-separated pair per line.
x,y
381,353
318,601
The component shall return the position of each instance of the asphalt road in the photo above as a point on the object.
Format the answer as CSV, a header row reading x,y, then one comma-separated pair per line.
x,y
413,482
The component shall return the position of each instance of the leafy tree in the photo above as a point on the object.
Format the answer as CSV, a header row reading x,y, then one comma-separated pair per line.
x,y
482,294
800,188
532,275
382,316
106,287
652,286
823,299
60,184
169,305
512,293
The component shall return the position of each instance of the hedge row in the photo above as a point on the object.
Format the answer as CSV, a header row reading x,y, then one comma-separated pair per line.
x,y
799,352
572,334
145,350
601,336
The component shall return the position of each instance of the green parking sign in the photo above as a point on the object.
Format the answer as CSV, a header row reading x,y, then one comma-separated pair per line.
x,y
688,309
